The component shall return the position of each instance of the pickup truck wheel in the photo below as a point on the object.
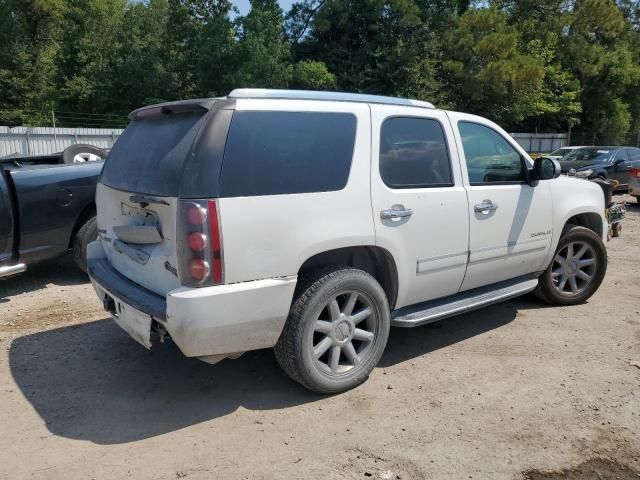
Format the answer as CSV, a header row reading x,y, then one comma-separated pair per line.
x,y
577,269
336,331
84,236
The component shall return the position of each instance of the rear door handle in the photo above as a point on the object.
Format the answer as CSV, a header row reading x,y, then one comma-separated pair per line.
x,y
397,211
486,206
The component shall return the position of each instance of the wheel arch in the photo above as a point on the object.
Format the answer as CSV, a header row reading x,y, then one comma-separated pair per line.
x,y
376,261
590,220
85,214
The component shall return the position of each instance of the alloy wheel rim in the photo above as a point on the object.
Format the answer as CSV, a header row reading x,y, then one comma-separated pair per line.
x,y
343,333
574,268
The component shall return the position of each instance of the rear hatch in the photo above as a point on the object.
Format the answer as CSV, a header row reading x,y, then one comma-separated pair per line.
x,y
149,169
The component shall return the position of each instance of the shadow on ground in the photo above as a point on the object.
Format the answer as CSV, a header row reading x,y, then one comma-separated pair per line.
x,y
593,469
92,382
59,271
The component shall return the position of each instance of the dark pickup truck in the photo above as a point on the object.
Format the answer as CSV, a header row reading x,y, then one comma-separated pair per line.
x,y
47,208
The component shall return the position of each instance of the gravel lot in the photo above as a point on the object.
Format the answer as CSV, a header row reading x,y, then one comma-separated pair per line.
x,y
517,390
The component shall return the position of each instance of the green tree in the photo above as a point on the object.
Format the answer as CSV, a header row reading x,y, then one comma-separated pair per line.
x,y
489,74
262,55
374,46
597,50
28,33
88,53
312,75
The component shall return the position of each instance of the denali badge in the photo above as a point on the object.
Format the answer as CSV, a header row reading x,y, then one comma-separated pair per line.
x,y
541,234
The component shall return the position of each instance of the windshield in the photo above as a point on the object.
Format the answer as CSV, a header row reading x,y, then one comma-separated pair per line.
x,y
561,152
591,154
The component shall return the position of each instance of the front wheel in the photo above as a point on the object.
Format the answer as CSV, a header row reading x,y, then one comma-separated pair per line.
x,y
336,331
577,269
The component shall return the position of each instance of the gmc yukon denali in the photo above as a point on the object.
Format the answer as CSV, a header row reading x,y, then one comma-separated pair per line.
x,y
313,221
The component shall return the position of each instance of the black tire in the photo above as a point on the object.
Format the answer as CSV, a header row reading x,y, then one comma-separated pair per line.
x,y
295,348
574,235
86,234
69,153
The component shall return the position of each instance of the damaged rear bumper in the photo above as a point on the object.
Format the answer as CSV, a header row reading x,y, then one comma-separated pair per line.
x,y
203,322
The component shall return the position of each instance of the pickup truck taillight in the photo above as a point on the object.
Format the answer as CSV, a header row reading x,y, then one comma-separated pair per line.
x,y
199,243
635,172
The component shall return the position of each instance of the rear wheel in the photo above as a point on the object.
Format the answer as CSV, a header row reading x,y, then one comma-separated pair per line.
x,y
336,331
85,235
577,269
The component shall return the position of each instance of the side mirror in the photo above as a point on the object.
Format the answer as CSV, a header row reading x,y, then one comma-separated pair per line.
x,y
546,168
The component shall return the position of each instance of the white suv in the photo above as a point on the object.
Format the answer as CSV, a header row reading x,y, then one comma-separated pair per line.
x,y
313,221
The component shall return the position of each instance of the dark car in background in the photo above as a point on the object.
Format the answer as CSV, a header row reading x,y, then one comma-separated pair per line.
x,y
614,162
47,207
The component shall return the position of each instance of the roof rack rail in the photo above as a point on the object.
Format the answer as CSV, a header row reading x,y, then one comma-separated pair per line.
x,y
322,95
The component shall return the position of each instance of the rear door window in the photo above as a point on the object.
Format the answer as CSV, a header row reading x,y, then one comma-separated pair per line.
x,y
413,153
271,153
150,154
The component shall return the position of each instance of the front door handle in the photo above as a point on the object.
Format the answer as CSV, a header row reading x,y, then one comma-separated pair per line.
x,y
397,211
486,206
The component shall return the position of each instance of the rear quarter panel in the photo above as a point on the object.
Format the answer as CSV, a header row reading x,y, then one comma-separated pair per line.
x,y
272,236
50,199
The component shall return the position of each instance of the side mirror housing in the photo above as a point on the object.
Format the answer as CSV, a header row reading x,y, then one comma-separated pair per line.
x,y
546,168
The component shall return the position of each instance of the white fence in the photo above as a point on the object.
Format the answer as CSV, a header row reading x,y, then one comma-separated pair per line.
x,y
46,140
541,142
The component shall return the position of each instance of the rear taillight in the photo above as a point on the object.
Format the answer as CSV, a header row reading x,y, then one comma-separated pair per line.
x,y
635,172
199,243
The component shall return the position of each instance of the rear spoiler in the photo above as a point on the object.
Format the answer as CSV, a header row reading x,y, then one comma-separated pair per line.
x,y
183,106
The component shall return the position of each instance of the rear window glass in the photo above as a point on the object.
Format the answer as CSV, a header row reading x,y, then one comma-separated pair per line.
x,y
149,155
271,153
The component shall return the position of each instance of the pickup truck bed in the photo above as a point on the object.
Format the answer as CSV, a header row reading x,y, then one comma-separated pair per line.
x,y
43,207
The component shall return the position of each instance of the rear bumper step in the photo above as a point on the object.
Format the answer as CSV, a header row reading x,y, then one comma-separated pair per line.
x,y
435,310
129,292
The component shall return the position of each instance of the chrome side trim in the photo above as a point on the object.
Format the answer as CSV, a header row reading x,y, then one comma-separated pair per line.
x,y
441,257
442,262
12,270
428,312
510,244
512,254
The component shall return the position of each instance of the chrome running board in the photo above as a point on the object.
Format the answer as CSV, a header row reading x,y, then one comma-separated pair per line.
x,y
427,312
12,270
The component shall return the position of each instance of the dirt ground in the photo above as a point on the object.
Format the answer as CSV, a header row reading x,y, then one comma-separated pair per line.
x,y
514,391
